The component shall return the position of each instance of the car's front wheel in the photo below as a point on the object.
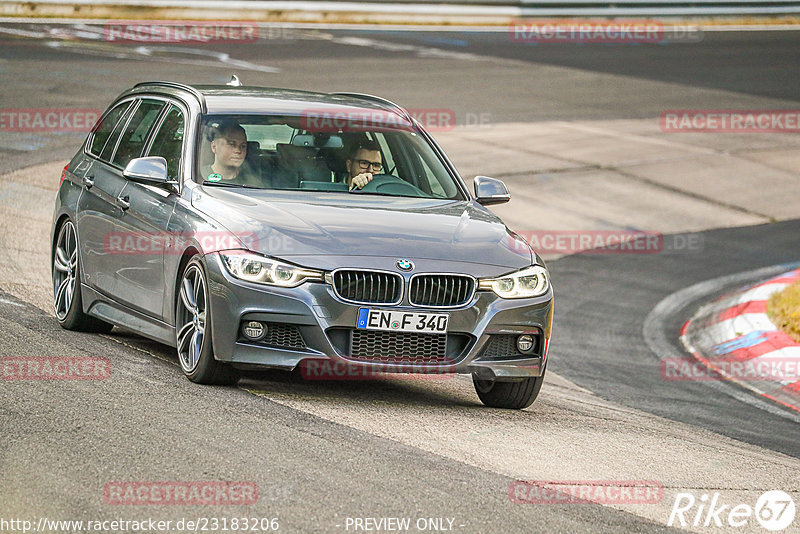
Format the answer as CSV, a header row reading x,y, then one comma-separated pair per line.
x,y
67,301
510,395
193,330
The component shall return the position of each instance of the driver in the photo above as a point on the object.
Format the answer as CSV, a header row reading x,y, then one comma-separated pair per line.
x,y
229,145
364,161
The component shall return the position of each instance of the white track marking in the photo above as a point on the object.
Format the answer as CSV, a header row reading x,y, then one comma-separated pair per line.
x,y
741,324
153,53
756,293
419,51
66,40
761,292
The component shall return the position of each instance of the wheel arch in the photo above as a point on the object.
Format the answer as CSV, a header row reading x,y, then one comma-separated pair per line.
x,y
56,229
186,257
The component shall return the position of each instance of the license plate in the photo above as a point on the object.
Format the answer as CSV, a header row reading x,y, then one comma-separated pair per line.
x,y
399,321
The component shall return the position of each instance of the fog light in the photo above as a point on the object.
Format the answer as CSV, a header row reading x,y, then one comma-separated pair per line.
x,y
254,331
525,344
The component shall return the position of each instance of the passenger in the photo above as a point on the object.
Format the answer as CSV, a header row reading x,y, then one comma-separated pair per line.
x,y
363,163
229,145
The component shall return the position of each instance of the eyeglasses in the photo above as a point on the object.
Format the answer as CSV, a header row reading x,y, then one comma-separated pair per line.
x,y
376,165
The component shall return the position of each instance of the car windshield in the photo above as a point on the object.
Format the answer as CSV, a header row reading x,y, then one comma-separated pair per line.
x,y
317,152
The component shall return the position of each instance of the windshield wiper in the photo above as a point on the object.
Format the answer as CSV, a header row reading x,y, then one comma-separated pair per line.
x,y
353,191
228,184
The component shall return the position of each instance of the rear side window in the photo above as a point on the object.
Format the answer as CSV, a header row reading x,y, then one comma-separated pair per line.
x,y
133,139
104,129
168,141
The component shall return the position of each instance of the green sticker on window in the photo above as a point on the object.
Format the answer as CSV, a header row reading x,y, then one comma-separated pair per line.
x,y
214,177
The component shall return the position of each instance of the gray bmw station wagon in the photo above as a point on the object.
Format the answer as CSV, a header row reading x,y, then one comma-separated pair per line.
x,y
256,228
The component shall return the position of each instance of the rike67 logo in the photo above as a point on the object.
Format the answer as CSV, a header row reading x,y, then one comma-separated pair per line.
x,y
774,510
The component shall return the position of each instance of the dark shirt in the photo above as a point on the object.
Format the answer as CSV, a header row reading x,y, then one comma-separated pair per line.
x,y
246,175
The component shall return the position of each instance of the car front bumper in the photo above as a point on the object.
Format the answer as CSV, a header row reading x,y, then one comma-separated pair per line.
x,y
482,332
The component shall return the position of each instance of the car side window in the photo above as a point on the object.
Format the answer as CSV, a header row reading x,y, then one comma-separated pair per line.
x,y
133,139
388,157
102,134
168,141
433,184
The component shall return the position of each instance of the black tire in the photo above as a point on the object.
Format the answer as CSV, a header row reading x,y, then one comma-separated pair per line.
x,y
510,395
193,338
66,275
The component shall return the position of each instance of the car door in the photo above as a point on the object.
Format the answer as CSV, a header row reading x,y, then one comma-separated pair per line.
x,y
144,221
97,210
109,241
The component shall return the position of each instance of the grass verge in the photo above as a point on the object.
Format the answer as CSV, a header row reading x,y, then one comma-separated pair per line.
x,y
783,309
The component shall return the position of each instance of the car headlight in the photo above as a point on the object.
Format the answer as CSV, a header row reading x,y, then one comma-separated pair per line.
x,y
263,270
529,282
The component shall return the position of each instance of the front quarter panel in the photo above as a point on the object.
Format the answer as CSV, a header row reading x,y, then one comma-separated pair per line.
x,y
67,196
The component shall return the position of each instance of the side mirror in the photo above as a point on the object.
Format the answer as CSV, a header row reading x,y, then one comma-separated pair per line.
x,y
150,170
490,191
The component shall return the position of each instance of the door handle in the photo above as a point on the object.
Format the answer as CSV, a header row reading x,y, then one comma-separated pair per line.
x,y
83,166
88,181
124,202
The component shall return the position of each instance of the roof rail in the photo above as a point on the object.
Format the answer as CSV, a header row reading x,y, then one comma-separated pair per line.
x,y
176,85
389,103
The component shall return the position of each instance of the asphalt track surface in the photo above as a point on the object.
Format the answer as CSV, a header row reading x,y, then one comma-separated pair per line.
x,y
62,442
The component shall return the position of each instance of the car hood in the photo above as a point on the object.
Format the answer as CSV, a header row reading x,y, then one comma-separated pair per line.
x,y
314,228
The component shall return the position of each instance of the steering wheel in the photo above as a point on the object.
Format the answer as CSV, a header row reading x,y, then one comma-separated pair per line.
x,y
388,184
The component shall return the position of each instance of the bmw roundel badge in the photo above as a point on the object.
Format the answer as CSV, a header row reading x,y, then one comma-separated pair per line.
x,y
405,265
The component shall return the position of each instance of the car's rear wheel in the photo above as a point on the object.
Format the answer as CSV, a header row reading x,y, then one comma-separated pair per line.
x,y
67,302
510,395
193,330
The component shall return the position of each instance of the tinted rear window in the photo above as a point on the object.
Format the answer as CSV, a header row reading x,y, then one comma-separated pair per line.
x,y
132,141
106,126
168,141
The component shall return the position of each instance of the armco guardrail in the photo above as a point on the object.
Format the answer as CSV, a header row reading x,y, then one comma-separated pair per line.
x,y
393,11
531,8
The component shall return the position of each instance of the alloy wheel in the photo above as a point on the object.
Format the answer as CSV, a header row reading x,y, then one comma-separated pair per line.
x,y
191,318
65,267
